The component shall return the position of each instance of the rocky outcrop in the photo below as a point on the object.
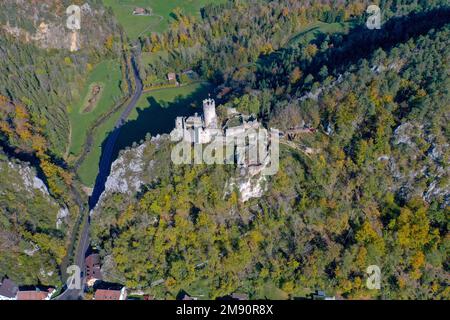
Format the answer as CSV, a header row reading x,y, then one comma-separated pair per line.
x,y
425,173
132,169
248,186
27,180
126,173
61,217
45,24
23,179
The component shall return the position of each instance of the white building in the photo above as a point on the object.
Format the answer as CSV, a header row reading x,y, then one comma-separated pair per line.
x,y
197,129
245,141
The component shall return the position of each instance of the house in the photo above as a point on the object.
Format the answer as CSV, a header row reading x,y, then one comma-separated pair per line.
x,y
140,12
93,269
191,74
235,296
320,295
189,298
35,294
239,296
111,294
172,78
224,92
8,290
183,295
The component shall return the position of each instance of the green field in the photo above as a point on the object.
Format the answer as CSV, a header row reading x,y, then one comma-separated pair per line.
x,y
109,75
88,170
154,113
272,292
160,18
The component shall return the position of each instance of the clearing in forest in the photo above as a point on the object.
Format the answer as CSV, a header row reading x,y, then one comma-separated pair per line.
x,y
158,13
107,75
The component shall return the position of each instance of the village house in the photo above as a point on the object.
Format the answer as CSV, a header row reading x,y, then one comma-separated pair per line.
x,y
111,294
172,78
93,269
183,295
239,296
235,296
320,295
140,12
8,290
35,294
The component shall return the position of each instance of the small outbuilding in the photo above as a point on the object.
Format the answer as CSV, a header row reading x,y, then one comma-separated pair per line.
x,y
8,290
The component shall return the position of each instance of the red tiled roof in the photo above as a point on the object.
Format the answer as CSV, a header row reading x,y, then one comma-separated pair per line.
x,y
102,294
32,295
93,260
95,273
93,270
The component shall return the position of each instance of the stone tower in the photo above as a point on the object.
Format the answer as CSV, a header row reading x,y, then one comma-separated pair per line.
x,y
209,113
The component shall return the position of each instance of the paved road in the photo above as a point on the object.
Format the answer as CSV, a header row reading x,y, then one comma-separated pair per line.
x,y
104,170
105,161
75,294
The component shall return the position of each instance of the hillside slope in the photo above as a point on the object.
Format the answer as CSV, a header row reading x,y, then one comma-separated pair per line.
x,y
33,226
376,193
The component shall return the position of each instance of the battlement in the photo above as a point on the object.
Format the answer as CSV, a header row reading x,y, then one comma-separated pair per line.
x,y
209,103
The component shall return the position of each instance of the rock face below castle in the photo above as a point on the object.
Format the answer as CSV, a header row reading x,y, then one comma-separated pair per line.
x,y
135,168
249,185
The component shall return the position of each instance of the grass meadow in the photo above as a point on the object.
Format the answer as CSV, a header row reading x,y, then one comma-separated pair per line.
x,y
160,19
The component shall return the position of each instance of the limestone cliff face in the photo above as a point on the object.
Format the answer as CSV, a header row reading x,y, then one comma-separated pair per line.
x,y
127,173
21,179
138,166
423,170
45,24
32,225
132,169
249,186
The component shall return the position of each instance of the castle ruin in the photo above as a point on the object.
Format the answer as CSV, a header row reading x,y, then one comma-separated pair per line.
x,y
196,129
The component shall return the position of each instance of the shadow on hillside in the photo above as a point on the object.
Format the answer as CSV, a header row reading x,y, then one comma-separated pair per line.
x,y
359,43
159,118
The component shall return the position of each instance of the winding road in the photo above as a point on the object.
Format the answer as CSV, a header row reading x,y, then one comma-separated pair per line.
x,y
104,171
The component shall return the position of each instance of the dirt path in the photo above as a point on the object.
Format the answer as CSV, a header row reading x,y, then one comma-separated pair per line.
x,y
74,41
